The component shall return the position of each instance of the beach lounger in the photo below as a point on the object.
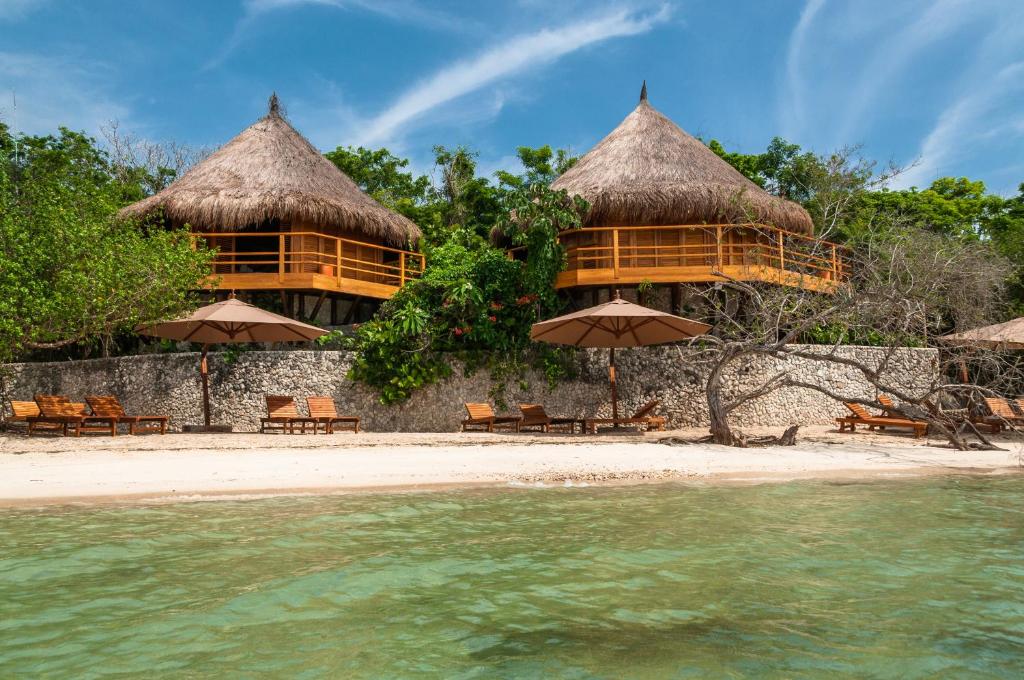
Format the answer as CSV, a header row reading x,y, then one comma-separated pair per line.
x,y
1002,414
283,415
482,417
861,416
644,417
58,410
326,414
111,406
21,411
534,416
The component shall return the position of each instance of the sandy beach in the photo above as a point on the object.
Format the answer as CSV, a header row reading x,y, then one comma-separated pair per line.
x,y
49,469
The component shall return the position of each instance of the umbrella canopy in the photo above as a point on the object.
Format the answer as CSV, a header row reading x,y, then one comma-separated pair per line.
x,y
233,321
1006,335
230,321
617,323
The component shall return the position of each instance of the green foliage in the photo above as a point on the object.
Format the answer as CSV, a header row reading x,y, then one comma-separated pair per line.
x,y
381,174
69,271
473,301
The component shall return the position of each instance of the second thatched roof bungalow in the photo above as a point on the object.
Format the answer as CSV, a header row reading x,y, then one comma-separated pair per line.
x,y
665,209
285,219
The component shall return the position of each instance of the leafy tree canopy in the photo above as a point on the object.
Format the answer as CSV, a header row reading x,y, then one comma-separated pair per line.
x,y
69,271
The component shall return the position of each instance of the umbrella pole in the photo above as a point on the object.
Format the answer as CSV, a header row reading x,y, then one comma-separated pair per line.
x,y
611,377
204,372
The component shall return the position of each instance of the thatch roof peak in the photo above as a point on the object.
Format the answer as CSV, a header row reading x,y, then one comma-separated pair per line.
x,y
648,171
271,172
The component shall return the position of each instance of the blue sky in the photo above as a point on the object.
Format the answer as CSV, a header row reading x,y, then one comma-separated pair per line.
x,y
936,82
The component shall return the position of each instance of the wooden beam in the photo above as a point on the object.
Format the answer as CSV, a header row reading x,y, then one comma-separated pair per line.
x,y
351,310
316,307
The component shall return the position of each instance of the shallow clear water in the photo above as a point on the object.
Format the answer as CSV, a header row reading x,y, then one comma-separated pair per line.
x,y
886,580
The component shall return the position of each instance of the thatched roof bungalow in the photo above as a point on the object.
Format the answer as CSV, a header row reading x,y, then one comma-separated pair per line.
x,y
649,171
285,218
271,173
664,208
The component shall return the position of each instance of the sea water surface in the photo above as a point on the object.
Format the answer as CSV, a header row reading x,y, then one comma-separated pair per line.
x,y
908,579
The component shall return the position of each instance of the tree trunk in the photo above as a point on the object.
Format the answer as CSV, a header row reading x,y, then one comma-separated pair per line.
x,y
721,433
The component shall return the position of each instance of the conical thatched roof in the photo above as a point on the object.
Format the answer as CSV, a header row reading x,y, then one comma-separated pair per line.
x,y
648,171
270,171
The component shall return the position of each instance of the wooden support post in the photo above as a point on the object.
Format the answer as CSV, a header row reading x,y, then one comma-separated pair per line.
x,y
615,253
280,257
835,264
677,298
284,303
337,262
316,307
611,377
718,242
782,252
205,373
301,314
401,269
334,311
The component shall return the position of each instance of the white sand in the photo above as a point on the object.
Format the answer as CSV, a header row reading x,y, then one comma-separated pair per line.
x,y
179,467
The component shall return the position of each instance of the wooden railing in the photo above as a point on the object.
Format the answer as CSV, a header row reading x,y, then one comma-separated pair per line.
x,y
304,252
685,253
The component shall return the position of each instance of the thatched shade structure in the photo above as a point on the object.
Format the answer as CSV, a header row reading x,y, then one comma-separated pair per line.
x,y
271,174
650,172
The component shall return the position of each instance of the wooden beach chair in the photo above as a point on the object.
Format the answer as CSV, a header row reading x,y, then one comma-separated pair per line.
x,y
483,418
111,406
534,416
1002,414
644,417
861,416
283,415
324,411
21,411
58,410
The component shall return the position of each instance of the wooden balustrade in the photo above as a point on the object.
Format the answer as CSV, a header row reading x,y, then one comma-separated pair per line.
x,y
310,260
698,253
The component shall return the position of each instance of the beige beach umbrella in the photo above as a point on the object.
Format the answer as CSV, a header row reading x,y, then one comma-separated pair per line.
x,y
230,321
617,323
1006,335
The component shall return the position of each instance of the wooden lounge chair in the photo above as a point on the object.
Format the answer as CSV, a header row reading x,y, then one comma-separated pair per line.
x,y
861,416
534,416
482,417
643,417
21,411
57,410
283,415
111,406
1002,416
323,410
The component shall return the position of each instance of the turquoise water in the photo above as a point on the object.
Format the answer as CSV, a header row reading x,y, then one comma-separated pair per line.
x,y
914,579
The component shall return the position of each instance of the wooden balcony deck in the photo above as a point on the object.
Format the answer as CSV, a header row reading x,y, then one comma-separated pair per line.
x,y
608,256
308,261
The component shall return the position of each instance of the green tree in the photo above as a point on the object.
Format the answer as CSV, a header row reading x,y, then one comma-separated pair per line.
x,y
382,175
70,272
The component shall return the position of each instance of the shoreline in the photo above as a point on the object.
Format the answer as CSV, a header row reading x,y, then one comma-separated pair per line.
x,y
48,471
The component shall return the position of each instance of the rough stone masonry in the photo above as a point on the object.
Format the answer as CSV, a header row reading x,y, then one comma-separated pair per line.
x,y
169,384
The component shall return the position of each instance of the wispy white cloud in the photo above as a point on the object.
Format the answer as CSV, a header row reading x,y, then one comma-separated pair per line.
x,y
792,114
53,91
513,56
15,10
898,53
407,11
960,124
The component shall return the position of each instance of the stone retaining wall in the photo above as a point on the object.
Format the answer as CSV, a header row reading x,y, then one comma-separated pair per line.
x,y
169,384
